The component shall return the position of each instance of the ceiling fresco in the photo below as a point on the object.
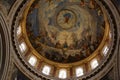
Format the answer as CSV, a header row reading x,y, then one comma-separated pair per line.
x,y
65,31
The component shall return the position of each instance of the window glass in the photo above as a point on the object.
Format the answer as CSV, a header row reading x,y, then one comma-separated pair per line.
x,y
63,73
22,47
46,70
94,63
79,71
105,50
32,60
19,30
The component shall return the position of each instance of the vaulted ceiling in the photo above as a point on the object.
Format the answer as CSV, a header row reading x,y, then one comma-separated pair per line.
x,y
59,39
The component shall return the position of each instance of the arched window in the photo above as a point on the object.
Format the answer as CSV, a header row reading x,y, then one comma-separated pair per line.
x,y
46,70
62,73
105,50
18,30
23,47
32,60
79,71
94,63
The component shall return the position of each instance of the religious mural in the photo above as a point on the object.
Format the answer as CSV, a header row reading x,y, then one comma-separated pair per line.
x,y
65,31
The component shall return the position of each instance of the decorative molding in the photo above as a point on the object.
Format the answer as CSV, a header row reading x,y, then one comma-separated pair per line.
x,y
1,52
118,60
5,47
